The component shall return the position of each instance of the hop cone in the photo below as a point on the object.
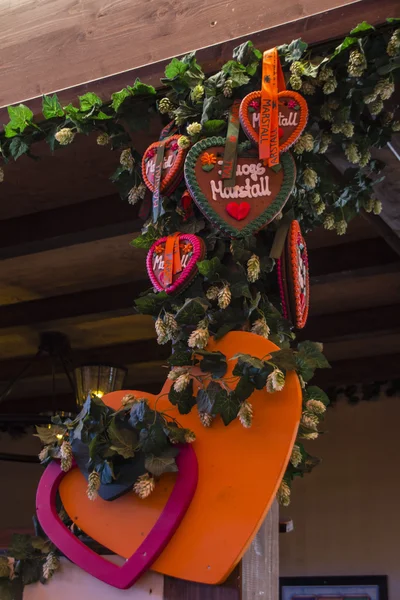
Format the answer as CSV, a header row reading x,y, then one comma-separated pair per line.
x,y
315,406
197,93
1,175
171,325
176,372
352,153
296,456
253,269
296,82
94,482
283,495
341,227
369,205
228,88
193,129
324,74
365,158
275,381
348,129
310,178
134,195
377,207
5,570
357,63
50,566
224,297
376,107
308,88
128,400
384,88
190,436
44,453
325,141
330,86
65,136
396,126
326,112
212,292
126,159
144,486
245,414
161,331
165,106
393,46
313,435
329,221
103,139
184,142
309,420
205,418
296,68
370,98
66,456
182,382
320,208
199,338
260,327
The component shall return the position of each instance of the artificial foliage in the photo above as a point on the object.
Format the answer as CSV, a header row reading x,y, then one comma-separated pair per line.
x,y
348,88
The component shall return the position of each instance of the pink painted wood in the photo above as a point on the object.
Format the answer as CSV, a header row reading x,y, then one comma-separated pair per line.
x,y
158,538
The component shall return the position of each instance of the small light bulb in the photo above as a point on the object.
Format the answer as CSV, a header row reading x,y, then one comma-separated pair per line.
x,y
59,436
99,393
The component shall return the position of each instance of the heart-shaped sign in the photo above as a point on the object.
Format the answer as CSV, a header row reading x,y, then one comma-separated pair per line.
x,y
239,473
150,548
175,273
293,277
293,115
260,189
172,170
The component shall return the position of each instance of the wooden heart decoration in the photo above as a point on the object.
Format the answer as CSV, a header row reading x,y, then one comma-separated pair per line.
x,y
293,115
239,473
265,190
293,277
191,250
172,171
150,548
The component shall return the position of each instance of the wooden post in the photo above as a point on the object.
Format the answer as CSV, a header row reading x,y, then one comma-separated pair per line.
x,y
257,576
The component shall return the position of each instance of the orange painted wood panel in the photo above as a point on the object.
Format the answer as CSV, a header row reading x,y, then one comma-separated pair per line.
x,y
239,473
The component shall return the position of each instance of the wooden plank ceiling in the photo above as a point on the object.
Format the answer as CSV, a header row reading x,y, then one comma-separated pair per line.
x,y
66,265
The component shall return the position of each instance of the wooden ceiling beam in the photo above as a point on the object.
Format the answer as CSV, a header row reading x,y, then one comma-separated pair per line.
x,y
316,29
65,226
140,351
115,300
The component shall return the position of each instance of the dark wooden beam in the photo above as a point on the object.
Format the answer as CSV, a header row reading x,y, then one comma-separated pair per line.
x,y
359,370
387,233
316,29
122,354
115,299
350,324
67,226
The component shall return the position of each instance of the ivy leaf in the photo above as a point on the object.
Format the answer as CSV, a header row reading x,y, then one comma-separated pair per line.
x,y
210,269
48,435
118,98
151,303
123,441
388,68
21,547
20,118
246,359
146,240
175,68
183,400
362,28
51,107
18,147
226,404
31,571
106,472
213,126
100,116
89,101
181,355
154,440
293,51
213,362
347,43
141,89
73,113
284,359
157,465
192,311
140,412
247,54
393,20
8,591
241,289
244,389
312,352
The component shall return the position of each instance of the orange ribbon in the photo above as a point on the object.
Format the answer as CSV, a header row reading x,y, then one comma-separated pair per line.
x,y
272,83
172,258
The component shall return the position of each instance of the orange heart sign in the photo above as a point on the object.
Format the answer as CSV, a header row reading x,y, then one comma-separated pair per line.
x,y
293,115
239,473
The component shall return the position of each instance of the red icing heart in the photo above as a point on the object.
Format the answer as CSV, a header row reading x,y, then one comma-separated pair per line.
x,y
151,547
238,211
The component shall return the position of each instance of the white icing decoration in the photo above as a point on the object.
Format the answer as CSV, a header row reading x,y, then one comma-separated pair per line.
x,y
158,261
258,189
167,164
290,121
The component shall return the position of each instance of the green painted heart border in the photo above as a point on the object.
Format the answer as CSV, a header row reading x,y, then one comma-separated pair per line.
x,y
289,178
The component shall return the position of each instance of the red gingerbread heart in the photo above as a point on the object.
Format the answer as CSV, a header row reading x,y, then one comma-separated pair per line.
x,y
238,211
172,171
293,115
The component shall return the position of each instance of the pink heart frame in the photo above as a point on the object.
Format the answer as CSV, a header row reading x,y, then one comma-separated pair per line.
x,y
188,272
155,542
